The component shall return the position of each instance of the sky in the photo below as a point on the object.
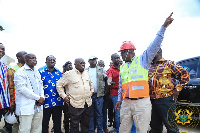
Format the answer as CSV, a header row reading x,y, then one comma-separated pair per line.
x,y
81,28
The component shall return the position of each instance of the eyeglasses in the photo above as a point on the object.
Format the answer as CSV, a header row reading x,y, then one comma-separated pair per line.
x,y
124,51
52,60
82,63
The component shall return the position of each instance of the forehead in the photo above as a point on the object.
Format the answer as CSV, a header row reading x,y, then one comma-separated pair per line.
x,y
51,57
93,59
116,56
68,65
2,47
30,56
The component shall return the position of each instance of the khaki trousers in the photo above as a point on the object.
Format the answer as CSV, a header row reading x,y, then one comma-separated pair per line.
x,y
137,111
31,123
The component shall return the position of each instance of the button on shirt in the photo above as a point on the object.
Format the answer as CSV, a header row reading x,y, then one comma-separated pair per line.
x,y
79,87
29,89
49,79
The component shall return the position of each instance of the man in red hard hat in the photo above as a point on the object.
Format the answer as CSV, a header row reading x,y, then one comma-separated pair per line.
x,y
133,84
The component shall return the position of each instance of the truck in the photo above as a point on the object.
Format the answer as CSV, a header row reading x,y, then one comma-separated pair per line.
x,y
189,96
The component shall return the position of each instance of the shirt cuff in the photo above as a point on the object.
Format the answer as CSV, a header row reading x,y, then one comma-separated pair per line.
x,y
161,31
179,87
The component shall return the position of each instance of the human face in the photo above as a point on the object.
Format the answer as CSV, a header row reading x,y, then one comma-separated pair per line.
x,y
93,63
101,63
80,64
21,57
2,51
111,63
127,54
50,61
69,67
31,60
116,59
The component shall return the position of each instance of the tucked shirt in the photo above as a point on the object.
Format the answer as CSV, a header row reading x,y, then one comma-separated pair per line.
x,y
11,72
28,89
113,72
78,86
162,78
4,92
147,56
50,79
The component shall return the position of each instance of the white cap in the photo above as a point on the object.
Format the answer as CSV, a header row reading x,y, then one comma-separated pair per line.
x,y
92,57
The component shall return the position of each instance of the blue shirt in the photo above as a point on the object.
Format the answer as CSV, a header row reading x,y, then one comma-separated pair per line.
x,y
147,56
49,79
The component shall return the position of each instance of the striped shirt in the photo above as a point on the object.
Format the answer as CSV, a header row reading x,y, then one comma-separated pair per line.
x,y
4,91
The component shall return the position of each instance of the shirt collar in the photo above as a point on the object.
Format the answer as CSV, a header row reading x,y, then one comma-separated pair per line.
x,y
161,60
77,71
28,68
114,67
45,68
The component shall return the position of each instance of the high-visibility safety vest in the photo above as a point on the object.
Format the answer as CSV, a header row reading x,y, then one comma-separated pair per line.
x,y
135,79
16,67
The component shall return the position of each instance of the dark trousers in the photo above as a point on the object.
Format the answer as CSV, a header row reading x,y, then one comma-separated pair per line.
x,y
162,112
56,117
66,117
111,113
105,108
78,115
1,113
8,127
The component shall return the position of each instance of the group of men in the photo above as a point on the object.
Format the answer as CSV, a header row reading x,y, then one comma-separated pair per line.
x,y
142,89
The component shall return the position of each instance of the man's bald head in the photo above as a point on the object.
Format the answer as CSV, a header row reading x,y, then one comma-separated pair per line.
x,y
21,56
79,64
31,60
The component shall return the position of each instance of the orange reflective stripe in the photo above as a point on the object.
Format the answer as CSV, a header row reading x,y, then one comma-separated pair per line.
x,y
138,89
124,89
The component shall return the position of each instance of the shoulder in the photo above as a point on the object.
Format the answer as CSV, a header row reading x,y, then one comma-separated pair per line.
x,y
99,68
68,73
42,69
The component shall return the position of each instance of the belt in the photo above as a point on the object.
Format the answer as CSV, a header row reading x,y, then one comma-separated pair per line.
x,y
134,98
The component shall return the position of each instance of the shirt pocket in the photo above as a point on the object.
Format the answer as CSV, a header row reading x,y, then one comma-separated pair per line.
x,y
87,83
75,84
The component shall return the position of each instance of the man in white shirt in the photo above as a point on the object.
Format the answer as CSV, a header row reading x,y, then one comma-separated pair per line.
x,y
29,96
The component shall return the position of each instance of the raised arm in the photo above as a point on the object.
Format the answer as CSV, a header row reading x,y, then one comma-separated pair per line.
x,y
153,48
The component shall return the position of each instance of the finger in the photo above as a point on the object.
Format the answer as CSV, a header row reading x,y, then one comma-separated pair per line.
x,y
170,15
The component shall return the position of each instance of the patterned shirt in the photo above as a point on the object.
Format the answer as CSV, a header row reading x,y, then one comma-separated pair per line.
x,y
11,72
49,79
4,92
163,76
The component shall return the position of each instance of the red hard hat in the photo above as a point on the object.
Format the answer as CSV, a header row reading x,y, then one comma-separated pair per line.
x,y
127,45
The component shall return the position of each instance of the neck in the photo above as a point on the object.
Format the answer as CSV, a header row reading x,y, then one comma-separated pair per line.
x,y
92,66
116,65
50,68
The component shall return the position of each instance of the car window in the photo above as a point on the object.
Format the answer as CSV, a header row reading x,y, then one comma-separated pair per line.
x,y
192,66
